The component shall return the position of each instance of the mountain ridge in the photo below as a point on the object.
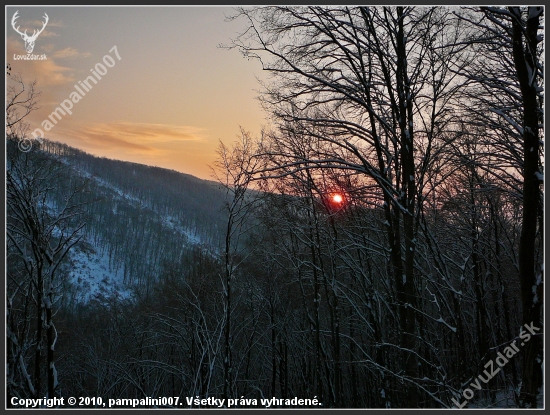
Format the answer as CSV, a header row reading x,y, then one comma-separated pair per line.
x,y
140,219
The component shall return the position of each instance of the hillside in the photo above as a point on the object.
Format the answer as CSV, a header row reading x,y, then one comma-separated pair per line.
x,y
139,221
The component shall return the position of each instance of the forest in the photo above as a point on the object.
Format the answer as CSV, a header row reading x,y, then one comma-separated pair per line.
x,y
379,245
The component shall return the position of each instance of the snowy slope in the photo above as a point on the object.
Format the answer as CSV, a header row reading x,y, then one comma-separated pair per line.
x,y
170,227
91,277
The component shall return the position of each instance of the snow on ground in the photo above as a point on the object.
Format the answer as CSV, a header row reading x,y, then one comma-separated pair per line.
x,y
121,194
92,277
174,224
504,399
168,220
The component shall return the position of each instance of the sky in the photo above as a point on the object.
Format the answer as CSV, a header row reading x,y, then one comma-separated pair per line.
x,y
169,99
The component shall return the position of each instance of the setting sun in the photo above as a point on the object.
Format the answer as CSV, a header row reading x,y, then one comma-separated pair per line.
x,y
337,198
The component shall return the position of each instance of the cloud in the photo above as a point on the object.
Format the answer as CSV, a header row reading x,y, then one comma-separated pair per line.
x,y
155,132
70,53
48,47
47,73
133,137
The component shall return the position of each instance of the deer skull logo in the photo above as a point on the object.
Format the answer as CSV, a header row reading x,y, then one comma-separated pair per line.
x,y
29,40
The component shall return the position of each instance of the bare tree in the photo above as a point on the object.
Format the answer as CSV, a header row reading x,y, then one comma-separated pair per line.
x,y
21,100
234,170
506,95
41,237
41,229
365,90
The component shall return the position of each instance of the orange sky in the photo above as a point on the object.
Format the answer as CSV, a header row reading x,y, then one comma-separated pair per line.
x,y
169,99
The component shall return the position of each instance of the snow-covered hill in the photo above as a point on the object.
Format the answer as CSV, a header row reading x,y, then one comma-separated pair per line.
x,y
137,220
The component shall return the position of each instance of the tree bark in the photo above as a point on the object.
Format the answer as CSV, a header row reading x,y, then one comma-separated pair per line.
x,y
525,34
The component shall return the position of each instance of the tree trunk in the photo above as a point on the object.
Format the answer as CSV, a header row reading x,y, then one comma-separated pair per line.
x,y
531,281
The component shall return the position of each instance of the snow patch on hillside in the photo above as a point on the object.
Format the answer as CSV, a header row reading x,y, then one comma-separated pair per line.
x,y
91,276
122,195
503,399
174,224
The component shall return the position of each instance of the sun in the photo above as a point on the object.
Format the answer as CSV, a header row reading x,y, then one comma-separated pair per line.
x,y
337,198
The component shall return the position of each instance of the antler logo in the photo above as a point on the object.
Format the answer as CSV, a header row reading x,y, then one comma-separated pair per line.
x,y
29,40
